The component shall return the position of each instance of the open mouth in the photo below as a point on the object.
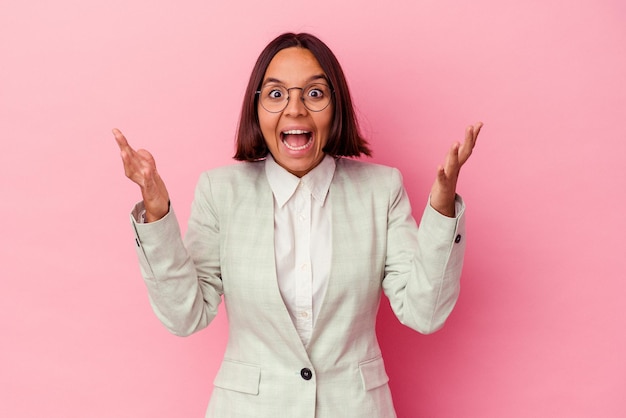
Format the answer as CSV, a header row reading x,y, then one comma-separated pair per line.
x,y
296,139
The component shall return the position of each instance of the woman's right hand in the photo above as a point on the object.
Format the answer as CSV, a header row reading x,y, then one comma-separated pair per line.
x,y
139,166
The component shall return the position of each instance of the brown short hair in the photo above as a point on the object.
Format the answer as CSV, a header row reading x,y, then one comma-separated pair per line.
x,y
344,139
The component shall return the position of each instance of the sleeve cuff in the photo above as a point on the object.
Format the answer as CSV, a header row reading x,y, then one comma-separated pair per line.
x,y
459,208
437,225
138,213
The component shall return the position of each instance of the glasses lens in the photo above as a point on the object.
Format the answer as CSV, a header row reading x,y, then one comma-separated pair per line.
x,y
316,97
274,98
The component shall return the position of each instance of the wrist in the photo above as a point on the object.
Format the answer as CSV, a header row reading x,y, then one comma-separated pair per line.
x,y
446,207
152,216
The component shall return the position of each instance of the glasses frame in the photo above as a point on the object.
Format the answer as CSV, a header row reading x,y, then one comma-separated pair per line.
x,y
302,89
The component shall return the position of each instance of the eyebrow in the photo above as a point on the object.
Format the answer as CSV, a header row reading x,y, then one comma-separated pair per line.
x,y
310,79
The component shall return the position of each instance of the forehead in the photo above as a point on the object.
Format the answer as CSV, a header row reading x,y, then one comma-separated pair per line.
x,y
294,66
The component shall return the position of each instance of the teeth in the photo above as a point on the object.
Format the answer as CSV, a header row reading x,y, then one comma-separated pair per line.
x,y
301,147
296,132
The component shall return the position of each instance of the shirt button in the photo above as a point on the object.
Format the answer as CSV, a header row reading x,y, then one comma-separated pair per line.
x,y
304,314
306,373
304,267
458,239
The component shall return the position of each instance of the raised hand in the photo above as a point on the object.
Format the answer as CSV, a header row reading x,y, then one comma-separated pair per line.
x,y
139,166
444,189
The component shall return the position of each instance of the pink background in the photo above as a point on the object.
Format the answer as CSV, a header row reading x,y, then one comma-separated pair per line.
x,y
540,328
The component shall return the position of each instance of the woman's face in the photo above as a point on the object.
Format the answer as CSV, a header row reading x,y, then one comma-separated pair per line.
x,y
296,136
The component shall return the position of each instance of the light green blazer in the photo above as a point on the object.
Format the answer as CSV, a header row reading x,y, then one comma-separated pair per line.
x,y
229,251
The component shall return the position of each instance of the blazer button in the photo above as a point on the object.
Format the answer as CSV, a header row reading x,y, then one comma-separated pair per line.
x,y
458,239
306,373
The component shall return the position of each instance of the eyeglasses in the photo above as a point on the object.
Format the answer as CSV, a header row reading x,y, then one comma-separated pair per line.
x,y
316,97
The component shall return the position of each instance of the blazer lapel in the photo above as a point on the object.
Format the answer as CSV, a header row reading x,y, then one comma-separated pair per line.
x,y
263,246
342,230
358,240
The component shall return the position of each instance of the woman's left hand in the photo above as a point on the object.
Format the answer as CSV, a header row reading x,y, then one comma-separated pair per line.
x,y
443,192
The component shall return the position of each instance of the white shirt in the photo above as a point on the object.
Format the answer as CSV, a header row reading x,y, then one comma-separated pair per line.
x,y
302,239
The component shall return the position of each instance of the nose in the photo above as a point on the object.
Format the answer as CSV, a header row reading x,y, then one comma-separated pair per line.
x,y
295,104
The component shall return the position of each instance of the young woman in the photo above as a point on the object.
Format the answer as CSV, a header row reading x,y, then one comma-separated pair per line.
x,y
300,243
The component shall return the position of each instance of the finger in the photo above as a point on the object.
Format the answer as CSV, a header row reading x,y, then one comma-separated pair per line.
x,y
139,165
452,163
145,156
477,127
128,154
130,157
444,184
441,175
120,139
471,134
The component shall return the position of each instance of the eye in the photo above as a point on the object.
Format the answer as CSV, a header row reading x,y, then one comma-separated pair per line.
x,y
275,94
315,92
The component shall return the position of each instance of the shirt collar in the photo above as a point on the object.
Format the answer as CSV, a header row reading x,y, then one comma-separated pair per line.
x,y
284,184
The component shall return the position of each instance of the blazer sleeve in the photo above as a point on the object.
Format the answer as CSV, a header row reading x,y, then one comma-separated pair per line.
x,y
423,266
182,277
